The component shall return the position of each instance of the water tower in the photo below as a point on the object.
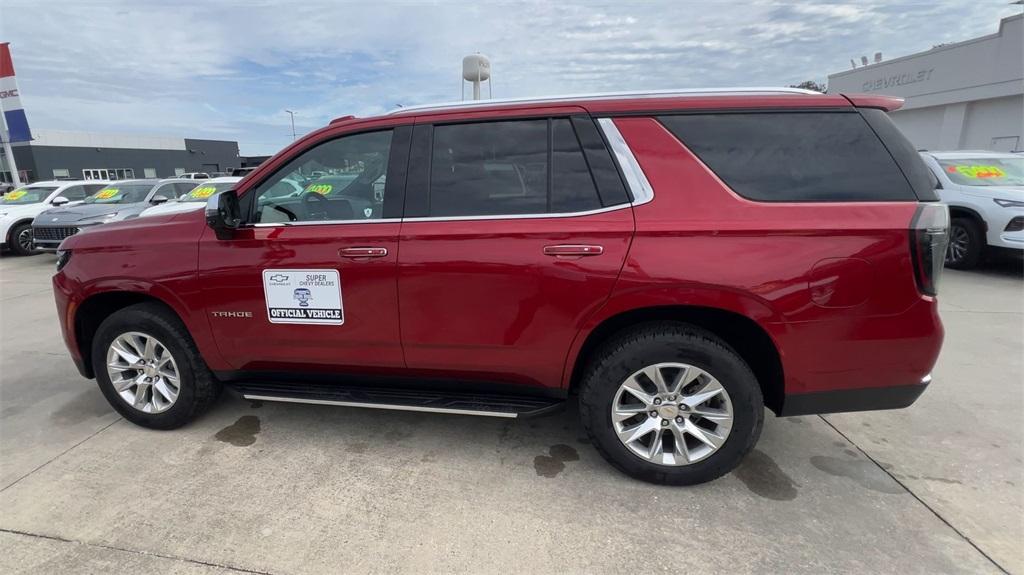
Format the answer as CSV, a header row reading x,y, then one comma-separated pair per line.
x,y
476,68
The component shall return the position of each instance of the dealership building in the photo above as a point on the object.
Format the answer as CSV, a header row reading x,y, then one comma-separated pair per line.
x,y
965,95
55,154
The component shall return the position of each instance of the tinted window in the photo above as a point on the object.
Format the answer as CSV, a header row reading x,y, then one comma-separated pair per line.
x,y
492,168
502,168
342,179
794,157
74,193
572,188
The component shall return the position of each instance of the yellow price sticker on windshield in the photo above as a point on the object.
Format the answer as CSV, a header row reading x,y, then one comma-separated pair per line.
x,y
978,171
203,192
322,189
14,195
107,193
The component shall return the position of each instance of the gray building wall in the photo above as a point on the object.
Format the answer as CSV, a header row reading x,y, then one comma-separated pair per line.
x,y
198,156
967,95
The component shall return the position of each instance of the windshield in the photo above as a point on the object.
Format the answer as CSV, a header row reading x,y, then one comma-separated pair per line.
x,y
120,194
202,192
27,195
984,171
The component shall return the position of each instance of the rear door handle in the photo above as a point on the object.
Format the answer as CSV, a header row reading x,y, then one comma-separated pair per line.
x,y
368,252
573,250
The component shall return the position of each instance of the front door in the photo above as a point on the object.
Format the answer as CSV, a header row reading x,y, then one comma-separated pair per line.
x,y
516,236
310,283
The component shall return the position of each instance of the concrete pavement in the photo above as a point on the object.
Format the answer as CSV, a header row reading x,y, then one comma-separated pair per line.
x,y
273,488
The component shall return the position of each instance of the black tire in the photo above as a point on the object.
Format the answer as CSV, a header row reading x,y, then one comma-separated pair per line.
x,y
660,342
968,231
199,389
15,240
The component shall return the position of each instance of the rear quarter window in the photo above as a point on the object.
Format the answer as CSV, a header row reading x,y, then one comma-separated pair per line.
x,y
794,156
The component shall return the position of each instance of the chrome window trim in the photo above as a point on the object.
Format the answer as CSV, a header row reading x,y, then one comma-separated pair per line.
x,y
324,223
447,218
636,180
516,216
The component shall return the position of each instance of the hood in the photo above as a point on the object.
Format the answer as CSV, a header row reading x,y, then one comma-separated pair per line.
x,y
1008,192
17,210
84,212
172,208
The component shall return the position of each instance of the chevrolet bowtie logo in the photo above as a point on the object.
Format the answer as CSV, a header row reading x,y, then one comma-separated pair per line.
x,y
278,278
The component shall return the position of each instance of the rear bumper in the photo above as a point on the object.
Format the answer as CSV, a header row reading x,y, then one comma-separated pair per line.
x,y
870,399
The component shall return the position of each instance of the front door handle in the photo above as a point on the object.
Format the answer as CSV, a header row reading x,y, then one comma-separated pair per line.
x,y
573,250
361,252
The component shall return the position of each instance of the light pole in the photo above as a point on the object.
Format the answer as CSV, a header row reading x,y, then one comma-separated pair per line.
x,y
292,114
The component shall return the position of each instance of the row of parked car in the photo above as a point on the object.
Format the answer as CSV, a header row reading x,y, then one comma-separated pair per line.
x,y
39,216
985,192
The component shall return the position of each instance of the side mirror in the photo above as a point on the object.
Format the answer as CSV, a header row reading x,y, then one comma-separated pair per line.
x,y
59,201
158,199
223,214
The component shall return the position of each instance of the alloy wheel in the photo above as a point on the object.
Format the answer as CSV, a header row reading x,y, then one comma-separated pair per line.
x,y
24,240
143,372
959,244
672,414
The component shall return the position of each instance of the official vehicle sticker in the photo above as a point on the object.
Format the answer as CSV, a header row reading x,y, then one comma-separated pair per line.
x,y
203,192
303,296
107,193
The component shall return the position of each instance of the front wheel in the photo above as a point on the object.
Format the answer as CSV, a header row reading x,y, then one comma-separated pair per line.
x,y
21,240
149,369
671,403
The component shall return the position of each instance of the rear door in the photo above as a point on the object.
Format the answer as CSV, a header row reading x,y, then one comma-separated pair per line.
x,y
515,231
310,283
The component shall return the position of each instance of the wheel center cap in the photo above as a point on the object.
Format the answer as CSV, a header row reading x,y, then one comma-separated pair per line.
x,y
668,411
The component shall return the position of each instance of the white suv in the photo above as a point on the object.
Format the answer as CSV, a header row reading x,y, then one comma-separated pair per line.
x,y
19,207
985,193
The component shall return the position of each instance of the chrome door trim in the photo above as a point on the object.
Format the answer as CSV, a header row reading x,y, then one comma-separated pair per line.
x,y
634,174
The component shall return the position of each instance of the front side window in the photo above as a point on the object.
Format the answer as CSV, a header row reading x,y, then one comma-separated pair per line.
x,y
74,193
120,194
339,180
984,171
514,167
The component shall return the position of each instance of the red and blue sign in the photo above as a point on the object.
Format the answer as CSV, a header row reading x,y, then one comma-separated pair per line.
x,y
10,101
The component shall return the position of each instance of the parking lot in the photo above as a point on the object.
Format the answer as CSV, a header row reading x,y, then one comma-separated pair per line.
x,y
280,488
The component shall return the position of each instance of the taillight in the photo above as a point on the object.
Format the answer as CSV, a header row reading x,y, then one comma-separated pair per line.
x,y
929,234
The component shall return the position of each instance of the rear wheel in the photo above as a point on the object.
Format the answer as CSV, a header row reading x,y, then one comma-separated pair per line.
x,y
149,369
671,403
21,240
966,243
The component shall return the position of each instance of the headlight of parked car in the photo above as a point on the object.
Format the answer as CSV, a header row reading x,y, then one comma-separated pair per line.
x,y
1009,203
63,256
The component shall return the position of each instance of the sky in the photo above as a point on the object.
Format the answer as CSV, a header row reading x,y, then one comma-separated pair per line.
x,y
229,69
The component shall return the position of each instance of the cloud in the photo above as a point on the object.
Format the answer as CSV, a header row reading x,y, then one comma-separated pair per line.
x,y
229,69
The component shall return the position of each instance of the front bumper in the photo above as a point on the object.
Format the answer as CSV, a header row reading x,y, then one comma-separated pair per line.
x,y
49,238
997,236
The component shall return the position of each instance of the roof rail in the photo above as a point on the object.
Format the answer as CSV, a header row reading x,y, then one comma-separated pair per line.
x,y
602,96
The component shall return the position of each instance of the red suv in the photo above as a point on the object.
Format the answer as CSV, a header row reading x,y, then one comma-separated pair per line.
x,y
673,262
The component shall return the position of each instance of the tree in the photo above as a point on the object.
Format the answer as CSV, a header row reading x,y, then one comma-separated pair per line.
x,y
810,85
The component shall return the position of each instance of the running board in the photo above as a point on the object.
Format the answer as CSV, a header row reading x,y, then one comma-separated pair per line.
x,y
401,399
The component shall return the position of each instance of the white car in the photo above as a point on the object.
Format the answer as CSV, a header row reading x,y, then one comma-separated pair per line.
x,y
193,176
985,193
195,199
19,207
